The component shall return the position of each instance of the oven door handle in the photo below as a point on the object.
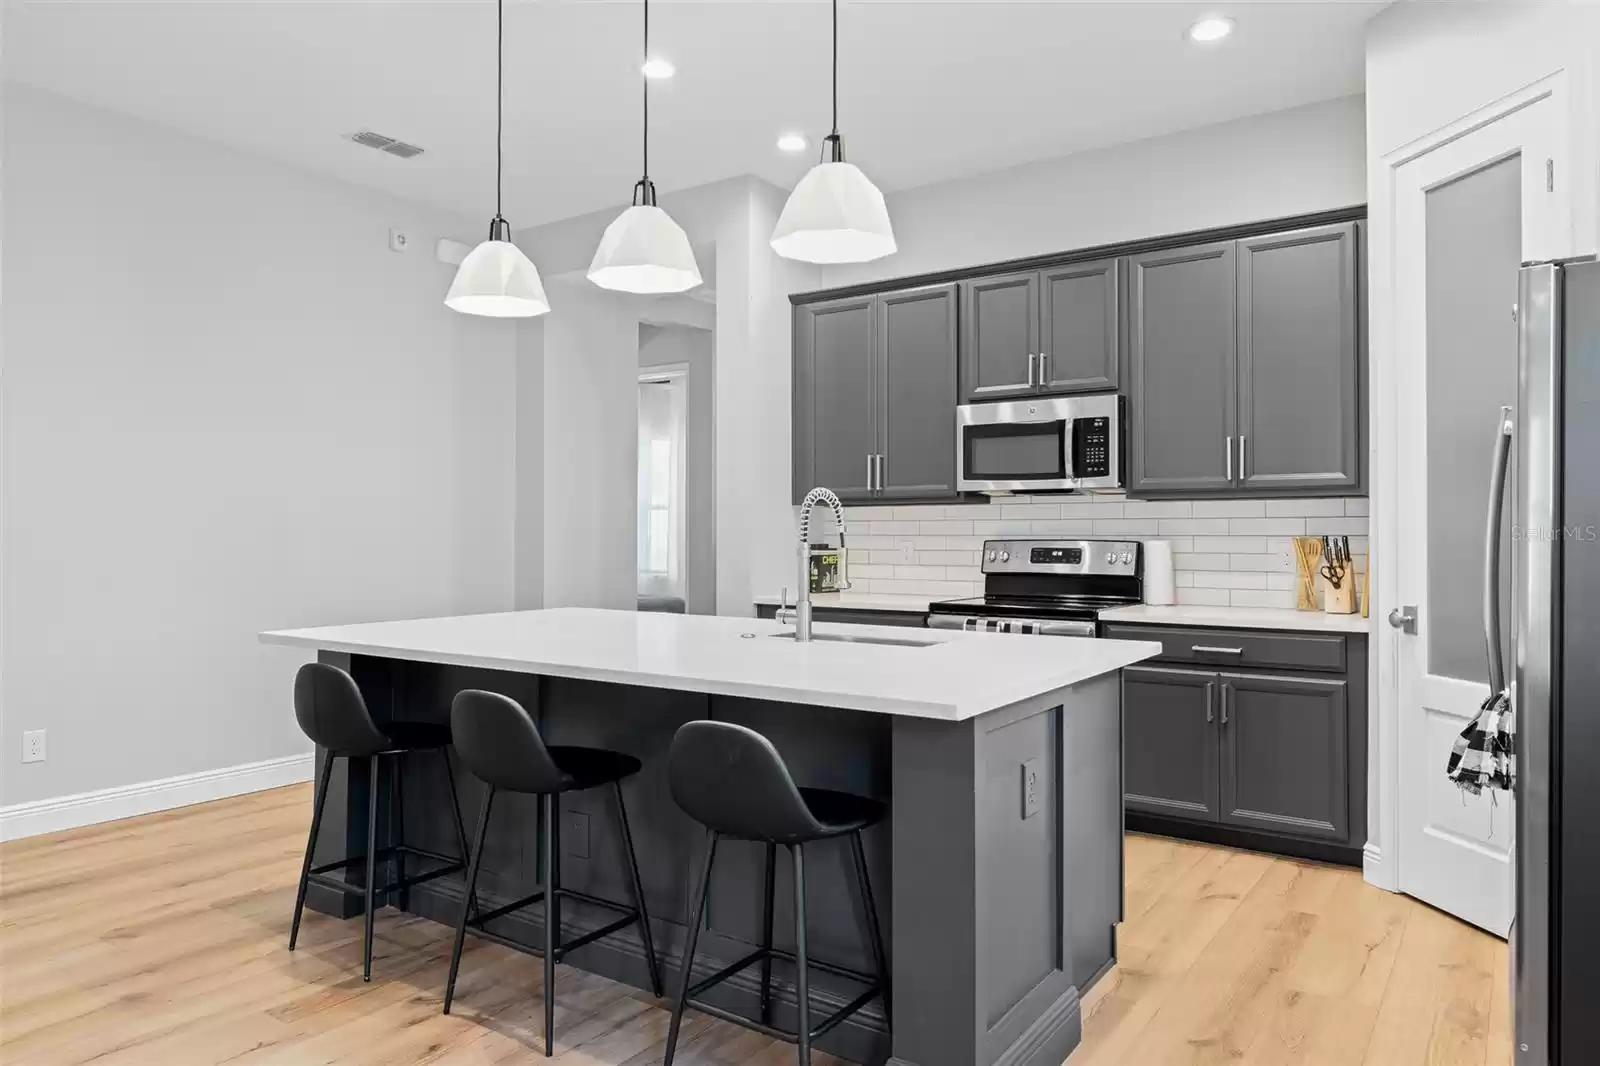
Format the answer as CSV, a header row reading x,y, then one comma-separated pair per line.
x,y
1043,627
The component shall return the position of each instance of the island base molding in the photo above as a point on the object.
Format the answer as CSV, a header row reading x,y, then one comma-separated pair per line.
x,y
997,876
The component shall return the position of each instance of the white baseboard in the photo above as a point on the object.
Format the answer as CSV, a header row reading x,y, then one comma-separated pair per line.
x,y
147,797
1373,871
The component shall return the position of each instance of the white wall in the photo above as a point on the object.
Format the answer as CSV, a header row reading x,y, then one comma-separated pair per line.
x,y
227,407
693,348
1267,166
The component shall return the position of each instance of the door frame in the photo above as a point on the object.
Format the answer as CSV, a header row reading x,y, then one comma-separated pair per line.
x,y
1547,233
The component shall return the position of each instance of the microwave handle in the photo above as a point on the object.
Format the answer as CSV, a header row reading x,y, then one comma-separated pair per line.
x,y
1066,446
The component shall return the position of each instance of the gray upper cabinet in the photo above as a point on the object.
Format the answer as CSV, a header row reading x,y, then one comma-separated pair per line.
x,y
835,433
1299,420
1284,754
1080,327
916,393
1170,760
1000,337
875,395
1182,369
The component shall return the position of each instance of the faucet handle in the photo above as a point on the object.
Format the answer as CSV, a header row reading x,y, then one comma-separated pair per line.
x,y
785,614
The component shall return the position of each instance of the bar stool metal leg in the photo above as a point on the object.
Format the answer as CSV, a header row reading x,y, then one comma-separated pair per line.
x,y
372,866
468,901
397,827
766,933
311,846
686,967
638,891
802,976
461,832
874,931
552,917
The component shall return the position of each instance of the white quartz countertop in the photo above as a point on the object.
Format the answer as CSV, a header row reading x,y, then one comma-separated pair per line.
x,y
858,601
1239,618
954,676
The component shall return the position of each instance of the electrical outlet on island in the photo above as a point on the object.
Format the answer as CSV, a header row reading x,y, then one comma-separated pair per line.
x,y
33,745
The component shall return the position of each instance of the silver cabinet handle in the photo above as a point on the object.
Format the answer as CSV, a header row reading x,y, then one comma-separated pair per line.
x,y
1491,553
1227,454
1211,691
880,471
1208,649
870,485
1226,689
1404,618
1044,372
1242,467
1031,358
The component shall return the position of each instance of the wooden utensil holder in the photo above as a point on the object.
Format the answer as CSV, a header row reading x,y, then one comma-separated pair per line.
x,y
1341,600
1308,557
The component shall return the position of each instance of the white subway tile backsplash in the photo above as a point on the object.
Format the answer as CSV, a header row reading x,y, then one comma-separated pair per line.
x,y
1091,508
1304,508
1156,509
926,543
1356,506
1293,527
1076,527
860,571
1230,545
867,514
1183,579
1229,509
1192,526
946,527
939,590
1199,597
968,511
1011,527
870,543
1228,579
1125,527
1282,581
893,528
1277,562
1031,510
1356,527
919,573
949,558
973,574
1198,561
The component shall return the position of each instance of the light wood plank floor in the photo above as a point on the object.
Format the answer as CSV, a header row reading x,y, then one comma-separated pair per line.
x,y
161,940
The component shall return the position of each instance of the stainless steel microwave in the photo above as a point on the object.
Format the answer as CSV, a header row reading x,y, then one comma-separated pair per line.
x,y
1061,444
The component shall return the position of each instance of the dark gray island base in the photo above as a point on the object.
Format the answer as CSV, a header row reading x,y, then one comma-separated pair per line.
x,y
999,906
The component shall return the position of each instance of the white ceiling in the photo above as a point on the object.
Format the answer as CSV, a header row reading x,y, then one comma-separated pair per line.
x,y
930,90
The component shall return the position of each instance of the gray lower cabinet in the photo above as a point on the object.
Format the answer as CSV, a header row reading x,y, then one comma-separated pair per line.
x,y
1285,754
1170,740
1041,332
1243,366
875,395
1271,757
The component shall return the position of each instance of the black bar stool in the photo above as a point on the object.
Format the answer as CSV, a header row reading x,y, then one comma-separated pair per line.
x,y
331,711
733,781
497,740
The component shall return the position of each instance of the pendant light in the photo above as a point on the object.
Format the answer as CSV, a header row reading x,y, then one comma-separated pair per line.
x,y
835,214
495,279
644,251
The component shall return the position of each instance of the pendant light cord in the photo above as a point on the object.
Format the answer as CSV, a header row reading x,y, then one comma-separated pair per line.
x,y
835,67
499,100
646,81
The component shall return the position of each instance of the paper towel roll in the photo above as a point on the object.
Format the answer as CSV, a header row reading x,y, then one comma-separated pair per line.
x,y
1158,582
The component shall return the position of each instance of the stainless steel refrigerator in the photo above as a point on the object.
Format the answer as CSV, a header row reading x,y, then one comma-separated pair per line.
x,y
1555,685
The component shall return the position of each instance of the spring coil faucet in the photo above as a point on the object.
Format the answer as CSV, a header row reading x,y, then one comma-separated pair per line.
x,y
802,607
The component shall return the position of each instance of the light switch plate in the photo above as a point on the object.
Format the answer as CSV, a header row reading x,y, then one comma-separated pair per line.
x,y
1032,787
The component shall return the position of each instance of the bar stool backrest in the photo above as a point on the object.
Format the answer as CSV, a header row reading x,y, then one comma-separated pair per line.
x,y
732,780
497,740
329,707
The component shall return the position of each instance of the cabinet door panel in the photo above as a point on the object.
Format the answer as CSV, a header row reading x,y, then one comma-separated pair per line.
x,y
1182,363
1285,755
916,390
1080,327
1299,410
834,404
1169,740
1000,336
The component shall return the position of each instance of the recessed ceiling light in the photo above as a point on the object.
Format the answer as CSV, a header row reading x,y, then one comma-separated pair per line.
x,y
1212,28
656,67
791,142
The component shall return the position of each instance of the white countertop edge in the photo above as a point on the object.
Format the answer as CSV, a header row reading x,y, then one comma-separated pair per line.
x,y
1108,660
1238,618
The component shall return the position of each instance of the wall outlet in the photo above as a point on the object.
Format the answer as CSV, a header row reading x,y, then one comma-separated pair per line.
x,y
399,240
33,745
1032,788
577,833
907,550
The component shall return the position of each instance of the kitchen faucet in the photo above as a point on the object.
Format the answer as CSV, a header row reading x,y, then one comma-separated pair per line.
x,y
802,607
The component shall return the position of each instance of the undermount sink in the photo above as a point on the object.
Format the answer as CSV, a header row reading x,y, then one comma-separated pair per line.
x,y
843,638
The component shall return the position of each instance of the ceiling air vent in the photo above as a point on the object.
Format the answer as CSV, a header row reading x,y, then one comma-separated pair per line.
x,y
386,144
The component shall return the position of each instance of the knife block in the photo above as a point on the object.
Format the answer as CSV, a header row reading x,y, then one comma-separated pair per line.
x,y
1341,600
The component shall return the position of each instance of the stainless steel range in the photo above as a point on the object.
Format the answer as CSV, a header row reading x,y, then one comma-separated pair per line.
x,y
1053,588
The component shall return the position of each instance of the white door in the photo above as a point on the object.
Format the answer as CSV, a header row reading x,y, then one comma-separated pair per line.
x,y
1466,214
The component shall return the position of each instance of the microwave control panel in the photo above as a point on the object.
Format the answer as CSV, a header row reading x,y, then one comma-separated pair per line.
x,y
1091,447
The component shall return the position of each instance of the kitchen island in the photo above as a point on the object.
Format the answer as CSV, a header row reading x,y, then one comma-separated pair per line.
x,y
998,873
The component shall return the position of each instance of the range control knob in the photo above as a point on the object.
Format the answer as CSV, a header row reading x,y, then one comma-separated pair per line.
x,y
1005,557
1111,557
992,556
1127,557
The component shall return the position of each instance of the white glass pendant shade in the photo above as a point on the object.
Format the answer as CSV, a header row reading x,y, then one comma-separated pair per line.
x,y
835,215
644,251
496,280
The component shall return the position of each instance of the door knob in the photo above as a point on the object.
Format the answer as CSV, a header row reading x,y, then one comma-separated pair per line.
x,y
1404,619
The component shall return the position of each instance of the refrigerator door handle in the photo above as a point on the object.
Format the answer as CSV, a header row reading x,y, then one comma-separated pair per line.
x,y
1491,553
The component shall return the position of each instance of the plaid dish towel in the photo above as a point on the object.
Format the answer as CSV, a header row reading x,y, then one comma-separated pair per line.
x,y
998,625
1485,754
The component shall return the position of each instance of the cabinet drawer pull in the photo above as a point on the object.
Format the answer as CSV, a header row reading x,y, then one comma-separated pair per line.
x,y
1207,649
1211,691
1226,688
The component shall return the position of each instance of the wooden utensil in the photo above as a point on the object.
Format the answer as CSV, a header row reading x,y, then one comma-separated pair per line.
x,y
1308,559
